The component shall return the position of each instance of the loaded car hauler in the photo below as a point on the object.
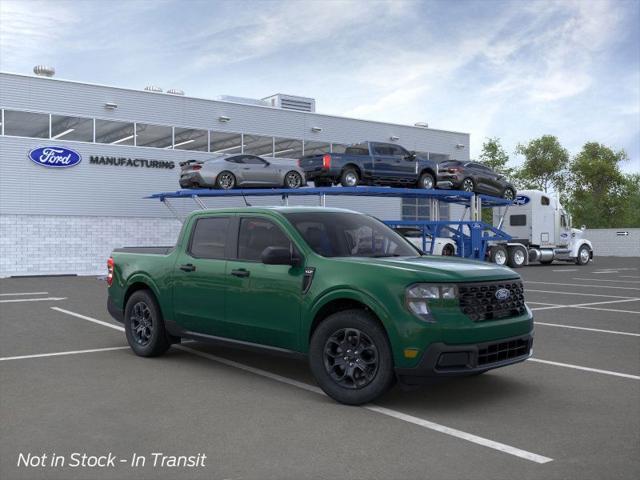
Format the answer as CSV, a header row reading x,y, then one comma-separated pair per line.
x,y
540,231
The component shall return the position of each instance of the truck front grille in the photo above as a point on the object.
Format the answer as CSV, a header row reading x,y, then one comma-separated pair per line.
x,y
482,301
497,352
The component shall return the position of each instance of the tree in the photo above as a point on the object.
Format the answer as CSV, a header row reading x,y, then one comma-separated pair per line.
x,y
544,165
494,156
599,194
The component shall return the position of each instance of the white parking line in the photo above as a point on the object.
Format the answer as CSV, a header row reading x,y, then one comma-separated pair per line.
x,y
89,319
583,285
580,294
382,410
22,293
629,276
615,332
58,354
566,270
602,280
47,299
611,310
374,408
586,369
587,305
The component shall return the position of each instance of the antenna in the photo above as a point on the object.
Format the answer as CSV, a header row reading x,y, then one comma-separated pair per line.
x,y
245,199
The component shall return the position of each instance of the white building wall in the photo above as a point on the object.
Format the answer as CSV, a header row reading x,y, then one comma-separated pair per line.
x,y
608,242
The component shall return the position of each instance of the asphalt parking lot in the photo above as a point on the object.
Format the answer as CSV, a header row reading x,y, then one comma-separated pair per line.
x,y
70,384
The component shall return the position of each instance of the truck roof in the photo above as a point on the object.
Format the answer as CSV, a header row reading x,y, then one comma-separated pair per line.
x,y
279,209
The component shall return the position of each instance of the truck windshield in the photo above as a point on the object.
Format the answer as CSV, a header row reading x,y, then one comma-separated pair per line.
x,y
338,234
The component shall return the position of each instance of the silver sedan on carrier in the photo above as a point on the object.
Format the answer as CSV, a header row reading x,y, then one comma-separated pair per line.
x,y
231,171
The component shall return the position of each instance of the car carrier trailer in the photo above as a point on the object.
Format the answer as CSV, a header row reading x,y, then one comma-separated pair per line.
x,y
472,237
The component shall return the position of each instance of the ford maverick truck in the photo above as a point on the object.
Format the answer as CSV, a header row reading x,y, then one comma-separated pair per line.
x,y
371,163
339,287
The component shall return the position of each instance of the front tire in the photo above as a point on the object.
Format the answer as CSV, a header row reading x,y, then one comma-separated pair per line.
x,y
448,250
144,325
584,255
349,178
293,180
509,194
350,357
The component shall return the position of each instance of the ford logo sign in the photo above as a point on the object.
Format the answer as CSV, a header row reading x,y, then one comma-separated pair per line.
x,y
521,200
503,294
55,157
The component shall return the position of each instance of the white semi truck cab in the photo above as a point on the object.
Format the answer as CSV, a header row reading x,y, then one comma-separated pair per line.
x,y
541,232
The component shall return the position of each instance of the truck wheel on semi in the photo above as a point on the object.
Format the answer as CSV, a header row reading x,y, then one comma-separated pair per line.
x,y
541,232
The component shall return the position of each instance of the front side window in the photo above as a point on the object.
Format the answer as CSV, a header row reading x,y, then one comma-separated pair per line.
x,y
253,160
544,200
338,234
397,151
256,234
209,238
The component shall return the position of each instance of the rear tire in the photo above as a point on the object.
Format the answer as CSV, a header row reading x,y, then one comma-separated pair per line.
x,y
468,185
349,178
144,325
448,250
427,182
517,257
225,180
509,194
351,358
498,255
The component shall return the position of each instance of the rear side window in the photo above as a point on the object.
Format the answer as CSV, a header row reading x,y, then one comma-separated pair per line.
x,y
256,234
358,149
518,220
209,238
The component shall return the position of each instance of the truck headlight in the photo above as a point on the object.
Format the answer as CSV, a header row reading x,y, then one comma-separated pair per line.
x,y
418,296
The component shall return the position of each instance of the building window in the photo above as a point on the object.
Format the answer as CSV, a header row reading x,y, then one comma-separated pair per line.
x,y
191,139
71,128
258,145
438,157
115,133
228,143
26,124
156,136
316,148
287,148
419,209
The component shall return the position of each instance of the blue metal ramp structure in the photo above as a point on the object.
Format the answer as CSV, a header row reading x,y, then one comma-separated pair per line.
x,y
471,236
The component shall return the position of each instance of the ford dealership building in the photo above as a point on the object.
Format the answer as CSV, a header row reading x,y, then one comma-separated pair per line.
x,y
77,160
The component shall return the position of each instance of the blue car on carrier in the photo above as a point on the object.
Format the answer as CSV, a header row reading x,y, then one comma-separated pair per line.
x,y
371,163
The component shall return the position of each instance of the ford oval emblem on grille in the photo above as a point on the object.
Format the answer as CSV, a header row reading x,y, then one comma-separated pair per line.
x,y
503,294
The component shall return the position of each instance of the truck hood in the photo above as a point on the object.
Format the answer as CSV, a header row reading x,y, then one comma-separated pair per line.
x,y
439,269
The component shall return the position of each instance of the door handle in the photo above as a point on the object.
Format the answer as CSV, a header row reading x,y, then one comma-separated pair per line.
x,y
189,267
240,273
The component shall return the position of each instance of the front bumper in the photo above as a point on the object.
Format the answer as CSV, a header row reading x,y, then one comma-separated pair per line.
x,y
443,360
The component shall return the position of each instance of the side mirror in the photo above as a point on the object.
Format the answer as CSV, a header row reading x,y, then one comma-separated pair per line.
x,y
279,256
411,156
583,227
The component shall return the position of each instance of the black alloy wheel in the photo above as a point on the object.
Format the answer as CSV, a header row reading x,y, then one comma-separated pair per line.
x,y
351,358
293,179
141,323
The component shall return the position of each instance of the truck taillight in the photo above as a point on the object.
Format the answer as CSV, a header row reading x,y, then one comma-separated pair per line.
x,y
196,167
299,162
110,265
454,170
326,161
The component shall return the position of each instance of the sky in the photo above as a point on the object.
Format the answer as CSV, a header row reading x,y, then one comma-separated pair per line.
x,y
510,69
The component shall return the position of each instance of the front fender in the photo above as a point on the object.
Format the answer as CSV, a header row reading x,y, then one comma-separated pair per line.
x,y
342,293
578,244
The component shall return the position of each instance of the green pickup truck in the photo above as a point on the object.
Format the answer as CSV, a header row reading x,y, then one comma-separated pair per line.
x,y
362,303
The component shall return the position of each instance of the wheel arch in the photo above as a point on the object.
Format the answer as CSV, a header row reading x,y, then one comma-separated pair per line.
x,y
355,167
141,282
428,170
340,300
